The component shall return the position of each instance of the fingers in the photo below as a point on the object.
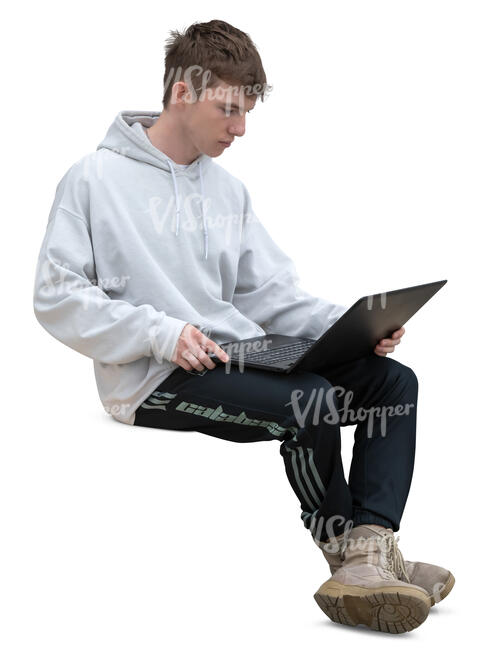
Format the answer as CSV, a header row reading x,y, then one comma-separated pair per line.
x,y
193,348
198,358
388,343
198,349
210,346
180,361
385,348
394,340
190,355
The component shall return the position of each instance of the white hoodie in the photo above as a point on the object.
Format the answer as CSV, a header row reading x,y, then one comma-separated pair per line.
x,y
132,253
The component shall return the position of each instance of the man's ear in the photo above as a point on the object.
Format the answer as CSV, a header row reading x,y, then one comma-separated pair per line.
x,y
181,93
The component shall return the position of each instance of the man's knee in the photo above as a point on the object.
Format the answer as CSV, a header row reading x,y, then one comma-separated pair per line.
x,y
396,373
408,376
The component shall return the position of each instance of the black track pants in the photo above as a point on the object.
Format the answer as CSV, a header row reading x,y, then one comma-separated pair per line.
x,y
305,412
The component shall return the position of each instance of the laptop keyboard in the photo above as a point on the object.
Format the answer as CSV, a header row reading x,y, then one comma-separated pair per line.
x,y
282,353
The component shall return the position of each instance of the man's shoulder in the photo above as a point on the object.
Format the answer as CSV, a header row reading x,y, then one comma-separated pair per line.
x,y
87,168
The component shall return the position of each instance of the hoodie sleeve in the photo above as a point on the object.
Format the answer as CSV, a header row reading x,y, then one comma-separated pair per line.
x,y
267,288
69,303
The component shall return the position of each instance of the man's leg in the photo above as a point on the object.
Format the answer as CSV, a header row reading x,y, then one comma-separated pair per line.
x,y
296,409
379,394
257,405
369,583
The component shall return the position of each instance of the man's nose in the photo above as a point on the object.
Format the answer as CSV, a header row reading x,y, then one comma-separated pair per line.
x,y
238,127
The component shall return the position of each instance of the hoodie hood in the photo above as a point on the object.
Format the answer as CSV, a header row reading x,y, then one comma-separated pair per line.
x,y
127,137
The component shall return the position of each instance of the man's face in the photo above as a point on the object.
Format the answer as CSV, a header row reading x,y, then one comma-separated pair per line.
x,y
217,117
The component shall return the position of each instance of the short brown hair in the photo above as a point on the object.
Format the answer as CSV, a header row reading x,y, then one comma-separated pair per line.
x,y
217,50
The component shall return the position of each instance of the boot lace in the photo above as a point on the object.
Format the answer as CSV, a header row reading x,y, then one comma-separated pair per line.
x,y
393,557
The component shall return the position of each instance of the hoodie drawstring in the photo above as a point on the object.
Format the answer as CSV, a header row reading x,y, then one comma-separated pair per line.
x,y
205,230
177,201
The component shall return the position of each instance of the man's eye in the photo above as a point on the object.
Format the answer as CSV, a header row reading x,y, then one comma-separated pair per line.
x,y
227,112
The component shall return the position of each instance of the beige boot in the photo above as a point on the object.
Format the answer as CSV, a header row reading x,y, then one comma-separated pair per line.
x,y
436,580
366,589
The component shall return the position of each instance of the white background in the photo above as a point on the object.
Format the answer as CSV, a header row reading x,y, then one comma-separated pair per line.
x,y
375,163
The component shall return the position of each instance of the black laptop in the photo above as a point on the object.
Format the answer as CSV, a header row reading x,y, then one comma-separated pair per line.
x,y
353,336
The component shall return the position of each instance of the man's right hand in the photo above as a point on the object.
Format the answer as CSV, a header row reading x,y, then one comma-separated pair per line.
x,y
192,348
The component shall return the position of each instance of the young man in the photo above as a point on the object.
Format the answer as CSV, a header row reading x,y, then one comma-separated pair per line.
x,y
150,244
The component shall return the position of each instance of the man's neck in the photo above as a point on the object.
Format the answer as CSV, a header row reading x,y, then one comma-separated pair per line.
x,y
169,138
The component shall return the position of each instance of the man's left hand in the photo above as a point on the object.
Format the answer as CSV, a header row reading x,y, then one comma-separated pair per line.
x,y
385,346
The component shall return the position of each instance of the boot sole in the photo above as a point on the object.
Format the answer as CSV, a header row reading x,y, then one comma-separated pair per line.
x,y
448,586
388,609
